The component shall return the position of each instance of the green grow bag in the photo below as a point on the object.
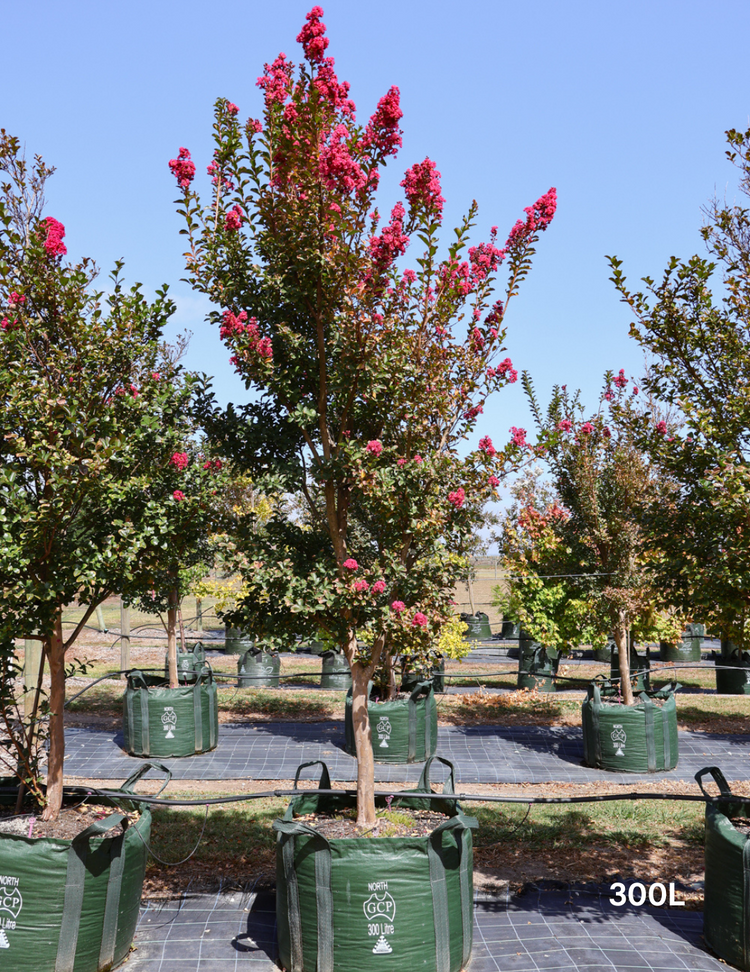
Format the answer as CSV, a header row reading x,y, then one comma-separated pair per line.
x,y
236,641
537,666
640,667
258,669
510,631
734,679
72,905
189,663
479,626
374,904
688,650
410,680
403,730
726,896
604,654
170,722
640,738
336,673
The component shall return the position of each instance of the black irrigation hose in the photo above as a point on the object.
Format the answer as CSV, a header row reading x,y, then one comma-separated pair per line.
x,y
465,797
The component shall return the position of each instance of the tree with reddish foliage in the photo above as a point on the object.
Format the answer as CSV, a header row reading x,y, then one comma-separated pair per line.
x,y
375,373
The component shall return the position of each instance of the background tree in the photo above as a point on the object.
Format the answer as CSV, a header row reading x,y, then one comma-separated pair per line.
x,y
377,372
91,409
701,369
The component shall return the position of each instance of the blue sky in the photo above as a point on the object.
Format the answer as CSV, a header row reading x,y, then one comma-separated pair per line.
x,y
621,107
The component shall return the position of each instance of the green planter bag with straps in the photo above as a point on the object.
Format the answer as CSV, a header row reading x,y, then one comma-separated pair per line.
x,y
386,904
732,670
189,663
258,669
335,673
72,905
640,738
166,722
726,896
403,730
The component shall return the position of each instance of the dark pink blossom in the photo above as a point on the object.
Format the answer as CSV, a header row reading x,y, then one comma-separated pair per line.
x,y
183,169
179,460
635,390
382,132
351,564
233,219
621,381
134,391
334,91
518,436
374,446
564,425
421,185
7,325
608,396
587,428
178,495
312,36
361,585
419,620
276,80
486,445
235,324
392,242
401,462
16,299
398,607
264,348
409,276
606,432
661,427
506,370
378,587
337,168
253,126
53,243
538,218
493,481
471,413
418,459
155,376
457,497
232,109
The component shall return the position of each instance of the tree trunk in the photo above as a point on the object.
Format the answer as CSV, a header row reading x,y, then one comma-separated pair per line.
x,y
620,632
182,629
471,591
389,677
172,638
363,742
55,653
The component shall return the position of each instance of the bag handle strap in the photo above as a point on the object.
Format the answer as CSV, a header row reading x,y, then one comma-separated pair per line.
x,y
449,786
325,778
136,676
719,779
127,786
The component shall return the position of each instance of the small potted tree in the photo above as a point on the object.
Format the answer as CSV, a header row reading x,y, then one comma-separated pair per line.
x,y
370,371
88,408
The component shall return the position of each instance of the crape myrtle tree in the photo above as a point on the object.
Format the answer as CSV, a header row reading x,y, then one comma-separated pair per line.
x,y
374,371
699,343
91,412
603,480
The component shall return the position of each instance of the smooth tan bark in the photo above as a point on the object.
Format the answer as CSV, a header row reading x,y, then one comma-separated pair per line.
x,y
622,641
363,743
172,638
55,652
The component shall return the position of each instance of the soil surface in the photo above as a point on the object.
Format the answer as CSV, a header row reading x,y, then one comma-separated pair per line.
x,y
71,822
398,822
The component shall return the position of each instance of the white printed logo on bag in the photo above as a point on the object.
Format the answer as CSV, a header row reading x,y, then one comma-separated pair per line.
x,y
11,903
619,738
169,721
384,731
380,911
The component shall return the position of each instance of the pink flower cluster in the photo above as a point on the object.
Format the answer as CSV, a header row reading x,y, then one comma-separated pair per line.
x,y
538,218
233,219
238,324
178,495
477,339
53,243
661,428
486,445
378,587
213,464
485,258
179,460
621,381
360,586
338,170
8,325
564,425
232,109
214,170
421,184
518,436
398,607
419,620
457,497
455,275
392,242
351,564
312,36
471,413
504,370
335,92
374,446
493,481
276,80
587,428
16,299
253,126
382,132
183,169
